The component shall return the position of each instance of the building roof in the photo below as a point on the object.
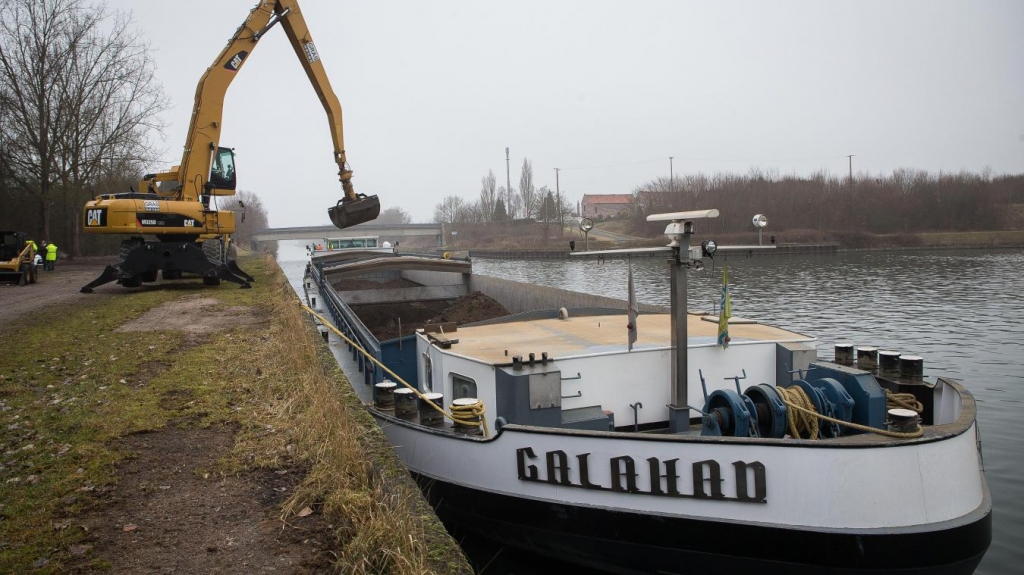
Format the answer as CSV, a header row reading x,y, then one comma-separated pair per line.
x,y
607,198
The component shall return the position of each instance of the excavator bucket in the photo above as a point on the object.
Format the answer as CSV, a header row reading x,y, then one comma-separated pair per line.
x,y
351,212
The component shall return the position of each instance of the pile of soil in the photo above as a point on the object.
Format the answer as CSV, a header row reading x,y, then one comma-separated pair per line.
x,y
471,308
383,319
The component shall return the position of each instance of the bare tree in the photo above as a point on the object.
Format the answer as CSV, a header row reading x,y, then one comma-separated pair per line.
x,y
526,190
77,96
488,192
450,210
110,104
250,215
394,215
540,207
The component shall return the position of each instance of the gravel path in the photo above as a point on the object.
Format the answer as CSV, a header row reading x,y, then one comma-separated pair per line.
x,y
53,290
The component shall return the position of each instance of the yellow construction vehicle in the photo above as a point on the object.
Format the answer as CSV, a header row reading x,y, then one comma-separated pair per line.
x,y
17,258
175,206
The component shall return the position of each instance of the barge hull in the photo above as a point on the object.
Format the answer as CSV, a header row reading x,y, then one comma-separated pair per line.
x,y
632,543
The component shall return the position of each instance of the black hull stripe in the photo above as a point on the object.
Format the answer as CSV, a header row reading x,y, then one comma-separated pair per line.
x,y
624,542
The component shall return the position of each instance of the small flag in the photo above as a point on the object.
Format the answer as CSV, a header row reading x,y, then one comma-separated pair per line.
x,y
726,311
632,309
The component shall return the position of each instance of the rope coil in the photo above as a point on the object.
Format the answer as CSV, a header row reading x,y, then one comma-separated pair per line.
x,y
475,410
470,415
797,399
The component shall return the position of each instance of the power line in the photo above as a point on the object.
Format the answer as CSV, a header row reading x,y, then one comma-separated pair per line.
x,y
748,160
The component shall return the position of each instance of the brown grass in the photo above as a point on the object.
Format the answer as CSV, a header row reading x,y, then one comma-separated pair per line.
x,y
382,523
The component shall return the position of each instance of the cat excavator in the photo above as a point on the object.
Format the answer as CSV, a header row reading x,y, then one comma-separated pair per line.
x,y
179,206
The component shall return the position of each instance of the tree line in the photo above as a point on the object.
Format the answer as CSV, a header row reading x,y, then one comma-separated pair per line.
x,y
905,201
498,203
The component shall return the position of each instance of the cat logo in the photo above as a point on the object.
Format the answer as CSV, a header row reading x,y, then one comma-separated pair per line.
x,y
96,217
236,61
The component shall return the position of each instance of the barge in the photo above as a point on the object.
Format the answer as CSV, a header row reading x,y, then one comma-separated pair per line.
x,y
553,430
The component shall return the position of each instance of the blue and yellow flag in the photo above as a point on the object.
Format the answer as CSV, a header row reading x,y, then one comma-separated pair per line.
x,y
726,311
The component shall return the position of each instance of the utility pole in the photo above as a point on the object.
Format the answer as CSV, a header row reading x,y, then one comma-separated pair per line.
x,y
850,156
671,176
558,196
508,186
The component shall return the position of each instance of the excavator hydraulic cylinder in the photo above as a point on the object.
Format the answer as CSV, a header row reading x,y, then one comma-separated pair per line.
x,y
348,213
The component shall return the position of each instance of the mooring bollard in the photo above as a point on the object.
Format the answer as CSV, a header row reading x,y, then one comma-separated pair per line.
x,y
902,420
429,415
462,408
844,353
867,358
405,403
912,368
384,394
889,363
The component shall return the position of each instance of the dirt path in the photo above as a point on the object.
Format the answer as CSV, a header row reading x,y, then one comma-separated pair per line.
x,y
169,514
168,511
54,289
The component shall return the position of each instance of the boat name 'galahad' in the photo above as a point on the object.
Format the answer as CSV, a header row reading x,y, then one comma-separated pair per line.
x,y
707,476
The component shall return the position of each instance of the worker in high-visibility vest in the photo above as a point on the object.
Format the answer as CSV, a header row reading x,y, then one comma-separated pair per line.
x,y
51,256
35,248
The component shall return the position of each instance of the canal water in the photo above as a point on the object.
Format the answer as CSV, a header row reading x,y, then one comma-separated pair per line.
x,y
963,311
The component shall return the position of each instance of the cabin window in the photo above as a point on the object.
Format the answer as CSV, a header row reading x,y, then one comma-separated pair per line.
x,y
462,386
428,373
222,172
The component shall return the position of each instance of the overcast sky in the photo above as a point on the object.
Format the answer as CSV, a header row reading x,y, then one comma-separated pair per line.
x,y
433,92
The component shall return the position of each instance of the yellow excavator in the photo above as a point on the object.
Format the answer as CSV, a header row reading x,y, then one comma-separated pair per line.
x,y
175,206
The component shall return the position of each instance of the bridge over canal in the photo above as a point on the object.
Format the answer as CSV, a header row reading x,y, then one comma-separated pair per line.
x,y
421,235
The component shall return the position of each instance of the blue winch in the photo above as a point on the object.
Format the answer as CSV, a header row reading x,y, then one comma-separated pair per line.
x,y
762,410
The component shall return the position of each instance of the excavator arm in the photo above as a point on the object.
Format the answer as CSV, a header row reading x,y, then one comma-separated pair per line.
x,y
207,169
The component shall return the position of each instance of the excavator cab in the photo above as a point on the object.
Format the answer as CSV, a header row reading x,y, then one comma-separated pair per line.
x,y
222,172
349,212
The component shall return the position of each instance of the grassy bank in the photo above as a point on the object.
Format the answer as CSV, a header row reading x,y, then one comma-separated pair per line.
x,y
76,381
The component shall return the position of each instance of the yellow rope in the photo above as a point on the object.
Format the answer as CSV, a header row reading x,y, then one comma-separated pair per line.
x,y
451,416
471,413
787,392
803,421
904,400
